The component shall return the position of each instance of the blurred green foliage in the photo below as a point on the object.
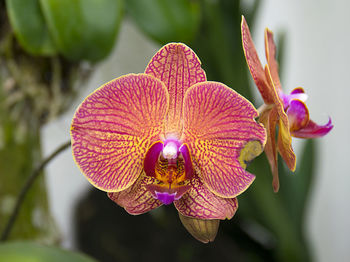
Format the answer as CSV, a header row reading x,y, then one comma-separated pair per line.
x,y
30,252
166,20
29,26
77,29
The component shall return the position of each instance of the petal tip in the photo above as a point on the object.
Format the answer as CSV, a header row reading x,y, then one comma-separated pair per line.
x,y
203,230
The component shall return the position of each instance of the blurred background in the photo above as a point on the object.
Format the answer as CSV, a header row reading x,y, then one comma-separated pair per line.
x,y
49,65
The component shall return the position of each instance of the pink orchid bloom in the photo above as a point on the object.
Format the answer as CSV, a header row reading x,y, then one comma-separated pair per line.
x,y
289,112
168,136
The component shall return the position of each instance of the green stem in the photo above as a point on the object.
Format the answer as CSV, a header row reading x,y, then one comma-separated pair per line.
x,y
27,185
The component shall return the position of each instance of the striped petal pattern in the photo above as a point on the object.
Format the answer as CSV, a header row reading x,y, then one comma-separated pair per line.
x,y
113,128
203,230
254,64
136,199
178,67
218,123
200,203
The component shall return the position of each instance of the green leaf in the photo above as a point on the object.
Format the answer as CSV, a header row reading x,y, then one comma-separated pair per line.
x,y
219,45
30,252
166,20
29,27
295,187
83,29
270,210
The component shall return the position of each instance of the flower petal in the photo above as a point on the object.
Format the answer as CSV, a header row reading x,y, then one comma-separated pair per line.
x,y
270,52
188,161
270,147
312,130
297,90
136,199
199,202
113,128
298,115
254,64
151,158
297,93
218,123
203,230
284,142
178,67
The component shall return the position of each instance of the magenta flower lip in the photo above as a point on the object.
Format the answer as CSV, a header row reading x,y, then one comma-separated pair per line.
x,y
166,198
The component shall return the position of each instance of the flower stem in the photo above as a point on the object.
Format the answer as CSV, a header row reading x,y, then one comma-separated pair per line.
x,y
29,182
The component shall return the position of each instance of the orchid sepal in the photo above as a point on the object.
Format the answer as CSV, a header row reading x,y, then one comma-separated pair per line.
x,y
203,230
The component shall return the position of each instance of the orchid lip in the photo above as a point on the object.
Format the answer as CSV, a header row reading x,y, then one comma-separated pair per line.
x,y
166,198
167,195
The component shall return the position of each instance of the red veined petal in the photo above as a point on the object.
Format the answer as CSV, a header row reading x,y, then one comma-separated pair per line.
x,y
137,199
218,123
254,64
113,128
270,52
313,130
200,202
178,67
298,115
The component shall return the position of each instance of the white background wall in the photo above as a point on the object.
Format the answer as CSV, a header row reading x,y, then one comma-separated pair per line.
x,y
316,58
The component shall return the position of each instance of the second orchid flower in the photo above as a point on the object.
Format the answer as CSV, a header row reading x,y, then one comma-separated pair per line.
x,y
288,112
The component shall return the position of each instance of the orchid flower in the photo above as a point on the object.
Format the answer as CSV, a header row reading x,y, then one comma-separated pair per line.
x,y
169,136
288,112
